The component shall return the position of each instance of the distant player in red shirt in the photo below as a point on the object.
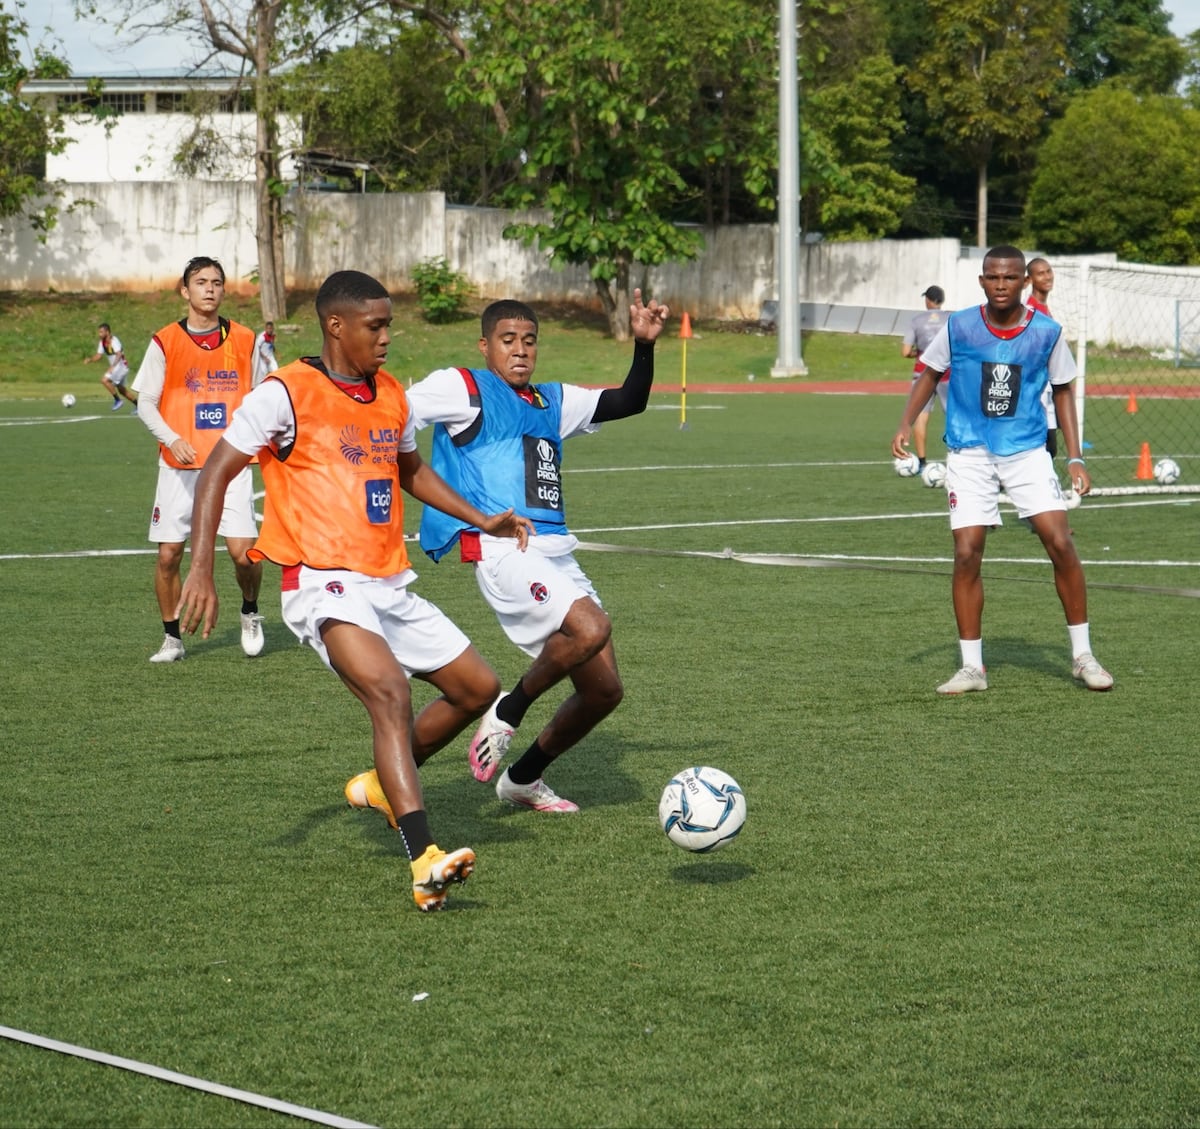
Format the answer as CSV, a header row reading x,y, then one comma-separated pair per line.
x,y
1039,277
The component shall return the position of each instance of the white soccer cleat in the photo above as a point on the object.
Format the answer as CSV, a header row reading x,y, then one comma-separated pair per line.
x,y
489,745
1091,673
171,650
966,680
538,795
252,634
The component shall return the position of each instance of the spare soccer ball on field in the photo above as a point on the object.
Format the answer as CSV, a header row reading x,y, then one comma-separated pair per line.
x,y
701,809
907,466
1166,471
68,401
934,474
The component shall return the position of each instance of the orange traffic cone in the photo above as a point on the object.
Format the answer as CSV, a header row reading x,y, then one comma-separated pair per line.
x,y
1145,464
1131,407
685,326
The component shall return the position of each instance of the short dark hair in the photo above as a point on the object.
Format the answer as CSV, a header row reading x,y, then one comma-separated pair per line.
x,y
1034,262
347,288
502,310
199,262
105,325
1006,251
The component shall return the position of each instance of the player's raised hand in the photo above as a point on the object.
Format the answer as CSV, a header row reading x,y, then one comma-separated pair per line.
x,y
647,321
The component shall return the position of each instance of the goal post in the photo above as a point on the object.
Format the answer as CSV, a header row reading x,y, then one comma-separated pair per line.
x,y
1136,333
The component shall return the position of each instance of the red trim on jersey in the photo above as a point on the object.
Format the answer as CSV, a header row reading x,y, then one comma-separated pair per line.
x,y
291,577
1011,332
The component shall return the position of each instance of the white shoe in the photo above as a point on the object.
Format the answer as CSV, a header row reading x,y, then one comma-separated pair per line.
x,y
968,679
252,634
171,650
489,745
538,795
1091,673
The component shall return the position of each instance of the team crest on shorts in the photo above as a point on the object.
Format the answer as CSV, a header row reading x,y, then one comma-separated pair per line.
x,y
539,592
953,500
336,588
156,516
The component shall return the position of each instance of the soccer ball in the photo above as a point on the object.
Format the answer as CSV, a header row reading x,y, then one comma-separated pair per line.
x,y
1166,471
68,401
907,466
701,809
934,474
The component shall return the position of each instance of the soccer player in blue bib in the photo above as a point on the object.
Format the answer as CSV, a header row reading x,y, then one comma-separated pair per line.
x,y
1001,356
497,434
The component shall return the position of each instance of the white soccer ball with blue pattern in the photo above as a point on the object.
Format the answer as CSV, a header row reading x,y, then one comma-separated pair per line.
x,y
934,475
1166,471
701,809
68,401
908,466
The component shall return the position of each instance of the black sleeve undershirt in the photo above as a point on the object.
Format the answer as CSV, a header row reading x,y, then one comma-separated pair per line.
x,y
632,397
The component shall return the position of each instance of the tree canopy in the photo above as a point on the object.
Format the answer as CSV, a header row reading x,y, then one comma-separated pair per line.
x,y
28,132
1120,173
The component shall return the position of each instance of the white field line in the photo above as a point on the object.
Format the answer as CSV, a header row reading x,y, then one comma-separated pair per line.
x,y
182,1079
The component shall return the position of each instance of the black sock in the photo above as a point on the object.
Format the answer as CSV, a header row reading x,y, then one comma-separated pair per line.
x,y
532,765
171,627
249,607
514,705
414,830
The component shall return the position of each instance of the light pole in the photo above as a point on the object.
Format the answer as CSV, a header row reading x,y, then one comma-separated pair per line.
x,y
789,361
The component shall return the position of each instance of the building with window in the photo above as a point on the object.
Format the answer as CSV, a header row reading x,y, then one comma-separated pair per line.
x,y
174,125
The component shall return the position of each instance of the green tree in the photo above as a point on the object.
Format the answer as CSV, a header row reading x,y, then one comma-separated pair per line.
x,y
382,101
1120,173
1106,38
29,132
263,38
988,77
850,119
587,100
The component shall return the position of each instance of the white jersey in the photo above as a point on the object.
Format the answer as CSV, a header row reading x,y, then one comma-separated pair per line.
x,y
265,360
114,354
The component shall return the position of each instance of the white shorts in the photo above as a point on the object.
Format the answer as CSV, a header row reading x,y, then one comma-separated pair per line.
x,y
421,636
975,477
171,520
530,592
118,373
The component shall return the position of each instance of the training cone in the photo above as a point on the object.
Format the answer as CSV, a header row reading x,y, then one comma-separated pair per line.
x,y
1145,468
1131,407
685,326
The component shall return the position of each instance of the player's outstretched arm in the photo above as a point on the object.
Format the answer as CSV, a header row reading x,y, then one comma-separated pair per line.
x,y
198,604
420,480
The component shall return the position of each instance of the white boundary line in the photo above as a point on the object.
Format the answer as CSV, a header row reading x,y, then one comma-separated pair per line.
x,y
182,1079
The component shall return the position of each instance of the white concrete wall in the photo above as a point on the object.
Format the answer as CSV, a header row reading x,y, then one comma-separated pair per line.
x,y
137,236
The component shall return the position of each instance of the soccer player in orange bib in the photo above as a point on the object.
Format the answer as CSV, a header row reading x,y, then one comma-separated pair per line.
x,y
335,438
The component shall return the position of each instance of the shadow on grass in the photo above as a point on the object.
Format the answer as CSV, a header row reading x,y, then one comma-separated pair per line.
x,y
705,872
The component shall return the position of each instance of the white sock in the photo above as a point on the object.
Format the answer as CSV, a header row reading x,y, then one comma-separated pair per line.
x,y
972,652
1081,643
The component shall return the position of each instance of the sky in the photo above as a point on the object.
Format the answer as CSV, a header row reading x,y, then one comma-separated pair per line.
x,y
92,48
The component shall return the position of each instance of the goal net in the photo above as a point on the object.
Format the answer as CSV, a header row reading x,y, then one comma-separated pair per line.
x,y
1136,334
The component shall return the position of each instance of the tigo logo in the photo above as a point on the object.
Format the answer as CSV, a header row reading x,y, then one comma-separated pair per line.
x,y
379,501
210,417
